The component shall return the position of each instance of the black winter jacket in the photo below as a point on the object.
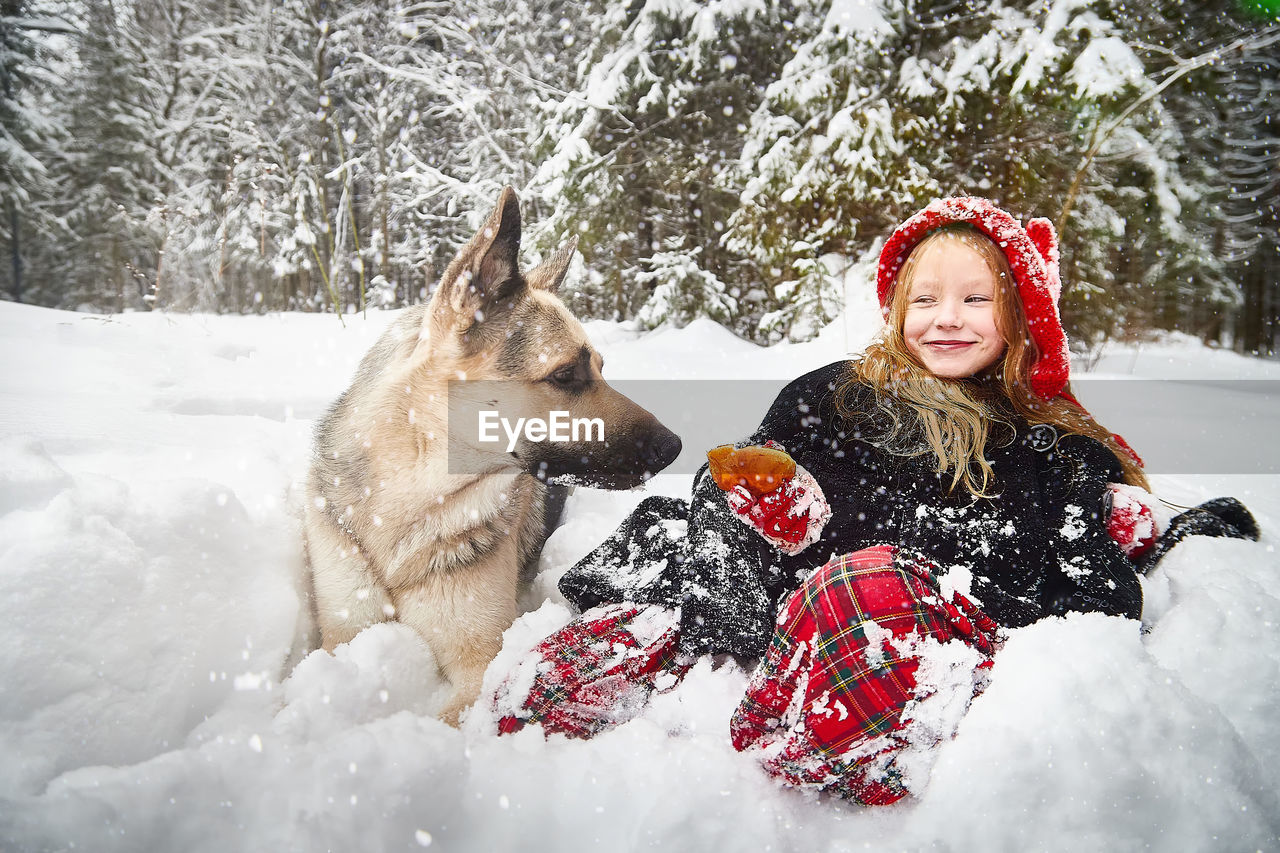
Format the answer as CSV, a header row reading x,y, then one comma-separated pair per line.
x,y
1038,546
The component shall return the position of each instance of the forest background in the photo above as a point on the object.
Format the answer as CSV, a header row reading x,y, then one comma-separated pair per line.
x,y
728,159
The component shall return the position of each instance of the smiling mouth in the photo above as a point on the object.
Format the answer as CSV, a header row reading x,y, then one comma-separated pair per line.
x,y
948,346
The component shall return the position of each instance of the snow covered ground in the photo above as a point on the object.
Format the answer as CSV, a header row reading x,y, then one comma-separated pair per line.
x,y
154,694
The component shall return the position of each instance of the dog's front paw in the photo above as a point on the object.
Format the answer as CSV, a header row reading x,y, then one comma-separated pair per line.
x,y
452,714
461,700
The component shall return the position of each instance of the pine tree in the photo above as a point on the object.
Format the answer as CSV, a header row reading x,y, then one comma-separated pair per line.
x,y
879,114
30,131
109,171
680,290
719,158
641,148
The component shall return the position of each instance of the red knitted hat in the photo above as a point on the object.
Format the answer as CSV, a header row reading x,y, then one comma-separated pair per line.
x,y
1033,258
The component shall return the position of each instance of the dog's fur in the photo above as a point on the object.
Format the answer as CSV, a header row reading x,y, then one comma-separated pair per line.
x,y
392,532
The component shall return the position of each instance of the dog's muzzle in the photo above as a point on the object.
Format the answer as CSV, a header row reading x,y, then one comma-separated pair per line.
x,y
620,464
658,450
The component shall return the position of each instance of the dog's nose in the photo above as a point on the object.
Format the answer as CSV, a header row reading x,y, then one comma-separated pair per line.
x,y
660,450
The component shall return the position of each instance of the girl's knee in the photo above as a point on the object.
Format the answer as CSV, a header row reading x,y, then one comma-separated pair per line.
x,y
861,586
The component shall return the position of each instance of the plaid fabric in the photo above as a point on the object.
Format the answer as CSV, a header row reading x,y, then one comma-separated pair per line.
x,y
596,672
824,708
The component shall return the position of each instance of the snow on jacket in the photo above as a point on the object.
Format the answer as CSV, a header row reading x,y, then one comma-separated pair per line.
x,y
1038,546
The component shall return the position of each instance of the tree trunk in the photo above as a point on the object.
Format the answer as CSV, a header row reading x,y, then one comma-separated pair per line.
x,y
15,248
117,269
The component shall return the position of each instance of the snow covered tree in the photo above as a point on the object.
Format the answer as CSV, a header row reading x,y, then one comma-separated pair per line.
x,y
109,171
185,45
1211,73
135,104
273,187
892,104
1251,168
1254,204
417,122
681,290
640,148
716,157
419,138
29,131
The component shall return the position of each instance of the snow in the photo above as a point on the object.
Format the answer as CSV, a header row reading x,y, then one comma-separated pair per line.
x,y
1038,45
156,692
857,18
1104,68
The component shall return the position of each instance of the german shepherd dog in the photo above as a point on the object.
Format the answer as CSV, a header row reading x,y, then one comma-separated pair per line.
x,y
406,520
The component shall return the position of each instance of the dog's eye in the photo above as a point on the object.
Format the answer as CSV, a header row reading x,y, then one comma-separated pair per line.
x,y
564,376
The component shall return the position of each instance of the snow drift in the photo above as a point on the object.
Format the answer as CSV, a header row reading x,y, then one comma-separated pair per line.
x,y
156,692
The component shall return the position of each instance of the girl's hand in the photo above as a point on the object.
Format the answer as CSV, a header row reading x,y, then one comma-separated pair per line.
x,y
790,518
1130,521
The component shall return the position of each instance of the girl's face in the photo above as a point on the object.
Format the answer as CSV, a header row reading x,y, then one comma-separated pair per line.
x,y
950,321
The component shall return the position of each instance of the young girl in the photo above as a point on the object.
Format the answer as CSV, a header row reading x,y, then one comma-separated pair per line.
x,y
947,484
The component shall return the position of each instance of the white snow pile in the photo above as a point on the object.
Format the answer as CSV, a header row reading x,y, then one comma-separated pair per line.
x,y
157,692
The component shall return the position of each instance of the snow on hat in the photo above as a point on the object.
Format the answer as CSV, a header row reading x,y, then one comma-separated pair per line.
x,y
1033,258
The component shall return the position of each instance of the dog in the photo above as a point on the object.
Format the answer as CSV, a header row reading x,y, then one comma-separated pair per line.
x,y
413,512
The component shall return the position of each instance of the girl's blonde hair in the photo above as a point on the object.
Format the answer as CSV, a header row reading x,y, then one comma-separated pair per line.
x,y
955,417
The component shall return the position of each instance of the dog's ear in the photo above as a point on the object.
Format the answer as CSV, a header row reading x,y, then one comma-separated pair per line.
x,y
486,270
497,270
549,274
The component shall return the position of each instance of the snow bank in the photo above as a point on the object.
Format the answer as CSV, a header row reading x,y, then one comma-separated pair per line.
x,y
157,690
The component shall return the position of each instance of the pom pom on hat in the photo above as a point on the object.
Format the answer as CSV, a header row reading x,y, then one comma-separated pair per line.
x,y
1045,239
1033,258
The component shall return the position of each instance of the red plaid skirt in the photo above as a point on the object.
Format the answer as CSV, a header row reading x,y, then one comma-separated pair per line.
x,y
824,709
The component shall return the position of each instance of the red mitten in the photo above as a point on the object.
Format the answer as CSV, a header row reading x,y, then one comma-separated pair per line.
x,y
790,517
1131,522
595,673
